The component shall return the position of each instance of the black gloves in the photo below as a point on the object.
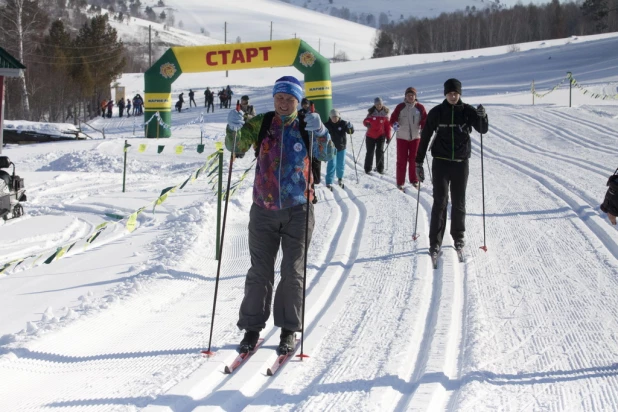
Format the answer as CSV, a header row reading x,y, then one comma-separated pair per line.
x,y
480,111
420,173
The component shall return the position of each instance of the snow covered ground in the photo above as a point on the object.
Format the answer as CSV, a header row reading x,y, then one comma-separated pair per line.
x,y
531,325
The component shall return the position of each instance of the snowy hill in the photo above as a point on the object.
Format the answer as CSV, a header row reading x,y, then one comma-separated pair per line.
x,y
531,324
203,23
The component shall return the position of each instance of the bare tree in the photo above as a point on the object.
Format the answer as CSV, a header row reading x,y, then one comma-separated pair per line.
x,y
21,23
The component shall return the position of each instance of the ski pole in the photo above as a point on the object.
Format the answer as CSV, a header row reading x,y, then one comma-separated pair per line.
x,y
418,201
302,328
227,199
484,247
429,169
353,157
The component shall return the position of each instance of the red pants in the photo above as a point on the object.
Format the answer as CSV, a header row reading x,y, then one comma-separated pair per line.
x,y
406,155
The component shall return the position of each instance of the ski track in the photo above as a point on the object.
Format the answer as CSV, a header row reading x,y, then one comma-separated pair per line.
x,y
536,349
455,338
567,134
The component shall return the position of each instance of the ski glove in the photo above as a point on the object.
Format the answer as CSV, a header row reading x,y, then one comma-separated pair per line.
x,y
314,124
420,173
480,111
395,127
235,120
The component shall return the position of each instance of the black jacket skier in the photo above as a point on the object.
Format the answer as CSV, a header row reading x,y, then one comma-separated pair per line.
x,y
452,121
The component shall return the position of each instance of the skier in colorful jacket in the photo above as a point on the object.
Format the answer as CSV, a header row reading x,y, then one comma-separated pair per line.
x,y
407,120
279,210
378,132
452,121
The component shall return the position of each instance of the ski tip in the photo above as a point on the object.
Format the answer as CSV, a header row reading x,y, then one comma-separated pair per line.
x,y
208,353
484,248
269,372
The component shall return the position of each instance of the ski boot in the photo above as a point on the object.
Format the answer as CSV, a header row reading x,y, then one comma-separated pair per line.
x,y
400,187
434,252
415,184
287,343
341,183
459,244
248,342
329,187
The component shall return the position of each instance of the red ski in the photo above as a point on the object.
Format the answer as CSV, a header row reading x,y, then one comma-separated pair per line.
x,y
241,358
281,359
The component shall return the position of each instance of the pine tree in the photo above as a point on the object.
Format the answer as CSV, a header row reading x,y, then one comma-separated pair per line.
x,y
597,11
384,45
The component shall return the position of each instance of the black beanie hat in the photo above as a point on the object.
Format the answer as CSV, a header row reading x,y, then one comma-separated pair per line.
x,y
452,85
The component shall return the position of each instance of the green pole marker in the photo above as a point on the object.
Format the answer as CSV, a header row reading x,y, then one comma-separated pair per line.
x,y
570,87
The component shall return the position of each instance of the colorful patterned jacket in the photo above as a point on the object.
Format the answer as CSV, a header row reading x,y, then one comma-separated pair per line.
x,y
282,168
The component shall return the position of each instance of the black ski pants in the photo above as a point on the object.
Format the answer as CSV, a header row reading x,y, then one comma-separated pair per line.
x,y
374,146
447,173
270,230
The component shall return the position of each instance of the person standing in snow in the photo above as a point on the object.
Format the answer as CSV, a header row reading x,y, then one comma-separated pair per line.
x,y
339,130
192,98
610,204
128,106
110,106
120,105
229,93
378,132
279,211
209,99
452,121
407,120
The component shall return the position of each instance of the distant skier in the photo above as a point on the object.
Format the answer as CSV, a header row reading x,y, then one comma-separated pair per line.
x,y
192,98
128,106
279,211
452,120
179,105
247,109
339,130
110,106
610,204
378,132
407,120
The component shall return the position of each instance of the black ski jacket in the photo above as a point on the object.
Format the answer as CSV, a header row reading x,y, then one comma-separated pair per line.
x,y
338,132
452,124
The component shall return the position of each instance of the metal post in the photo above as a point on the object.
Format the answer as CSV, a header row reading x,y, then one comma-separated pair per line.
x,y
271,31
225,40
124,169
319,44
570,87
533,92
334,47
219,198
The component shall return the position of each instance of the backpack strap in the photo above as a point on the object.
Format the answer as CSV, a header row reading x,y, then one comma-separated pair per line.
x,y
267,121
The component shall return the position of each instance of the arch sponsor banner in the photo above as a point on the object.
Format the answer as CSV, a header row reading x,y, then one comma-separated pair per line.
x,y
237,56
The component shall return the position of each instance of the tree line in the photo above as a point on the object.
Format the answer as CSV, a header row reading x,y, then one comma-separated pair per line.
x,y
69,69
495,26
